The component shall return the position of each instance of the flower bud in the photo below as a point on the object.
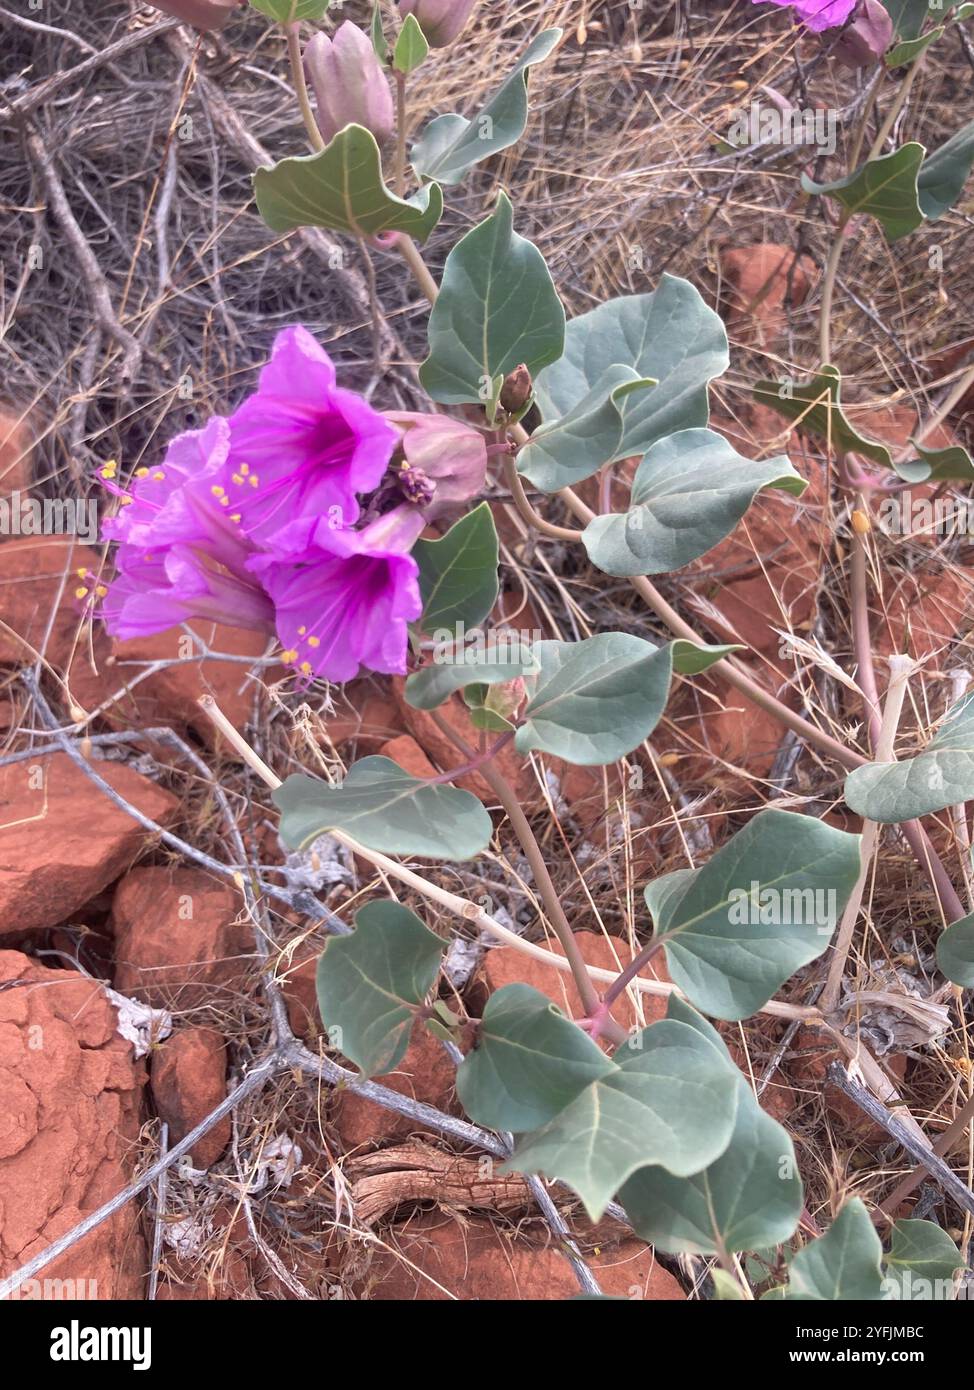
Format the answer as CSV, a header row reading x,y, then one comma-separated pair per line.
x,y
516,391
444,452
349,85
203,14
440,20
863,43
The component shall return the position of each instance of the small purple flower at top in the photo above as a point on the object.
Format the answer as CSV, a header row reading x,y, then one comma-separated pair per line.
x,y
302,446
817,15
344,599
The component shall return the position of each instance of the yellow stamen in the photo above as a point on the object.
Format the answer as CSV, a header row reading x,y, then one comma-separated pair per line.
x,y
142,472
301,630
125,501
235,516
110,469
158,476
101,590
245,469
314,641
238,480
254,481
289,656
81,592
217,490
305,668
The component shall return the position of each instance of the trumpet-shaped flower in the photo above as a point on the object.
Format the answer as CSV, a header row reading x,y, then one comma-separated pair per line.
x,y
344,599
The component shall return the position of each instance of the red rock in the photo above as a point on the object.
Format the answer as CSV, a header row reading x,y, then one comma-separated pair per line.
x,y
435,1258
405,751
38,576
169,697
505,965
425,1073
189,1080
299,986
178,943
67,1142
923,613
16,450
763,282
63,840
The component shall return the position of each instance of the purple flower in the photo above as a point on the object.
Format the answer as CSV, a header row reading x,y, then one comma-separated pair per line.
x,y
302,446
344,598
442,452
181,554
817,14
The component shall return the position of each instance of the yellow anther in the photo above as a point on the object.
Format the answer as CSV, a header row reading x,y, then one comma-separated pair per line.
x,y
301,630
101,590
289,656
305,668
235,516
110,469
125,501
224,501
158,476
142,472
82,573
238,480
217,490
253,480
314,641
245,469
81,592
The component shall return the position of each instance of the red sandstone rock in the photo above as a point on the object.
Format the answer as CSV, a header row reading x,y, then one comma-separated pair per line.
x,y
16,471
434,1257
178,943
405,751
426,1073
63,840
38,576
70,1093
504,965
763,282
189,1080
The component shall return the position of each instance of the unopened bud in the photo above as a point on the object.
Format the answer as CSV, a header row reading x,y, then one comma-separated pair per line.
x,y
516,391
349,84
440,20
863,42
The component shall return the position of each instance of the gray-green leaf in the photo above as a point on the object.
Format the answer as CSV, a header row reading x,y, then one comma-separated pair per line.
x,y
689,492
458,574
497,308
941,776
766,904
430,687
529,1063
371,983
844,1264
885,188
670,1099
341,187
568,450
411,46
385,809
290,11
451,145
596,700
669,335
944,173
921,1264
955,952
825,417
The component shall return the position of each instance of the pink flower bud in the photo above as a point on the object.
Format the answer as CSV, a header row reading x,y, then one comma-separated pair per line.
x,y
349,85
446,452
204,14
440,20
867,38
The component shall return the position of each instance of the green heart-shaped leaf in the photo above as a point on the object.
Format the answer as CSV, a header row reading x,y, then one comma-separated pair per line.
x,y
689,492
843,1265
944,173
497,308
941,776
748,1198
430,687
816,406
669,336
670,1099
885,188
341,187
921,1263
371,983
568,450
452,145
596,700
766,904
385,809
955,952
458,574
529,1063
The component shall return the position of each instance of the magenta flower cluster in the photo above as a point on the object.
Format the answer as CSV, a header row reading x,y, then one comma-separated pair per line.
x,y
256,521
817,15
